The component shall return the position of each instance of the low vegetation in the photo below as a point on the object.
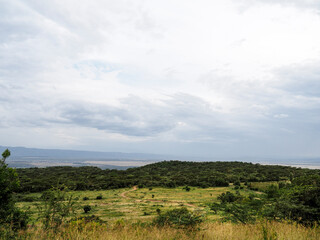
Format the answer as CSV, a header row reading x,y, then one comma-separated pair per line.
x,y
168,174
285,206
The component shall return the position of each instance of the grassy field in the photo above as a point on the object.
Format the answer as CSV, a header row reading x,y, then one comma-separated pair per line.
x,y
140,204
129,212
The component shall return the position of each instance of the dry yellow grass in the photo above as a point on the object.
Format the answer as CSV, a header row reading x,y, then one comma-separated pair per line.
x,y
210,231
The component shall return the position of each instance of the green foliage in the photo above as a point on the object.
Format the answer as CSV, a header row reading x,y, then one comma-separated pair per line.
x,y
179,217
162,174
50,194
272,191
99,197
229,197
8,184
85,198
10,217
237,208
81,222
5,154
307,180
55,208
158,210
239,213
237,183
86,219
187,188
19,219
86,208
299,201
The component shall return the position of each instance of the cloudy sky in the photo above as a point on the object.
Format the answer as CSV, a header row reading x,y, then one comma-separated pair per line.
x,y
231,78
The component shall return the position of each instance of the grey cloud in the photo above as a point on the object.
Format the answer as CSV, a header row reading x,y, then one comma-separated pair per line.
x,y
134,118
138,117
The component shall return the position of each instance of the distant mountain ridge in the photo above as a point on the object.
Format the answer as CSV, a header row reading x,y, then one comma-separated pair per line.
x,y
23,152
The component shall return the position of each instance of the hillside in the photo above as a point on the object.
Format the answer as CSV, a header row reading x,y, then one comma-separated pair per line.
x,y
164,174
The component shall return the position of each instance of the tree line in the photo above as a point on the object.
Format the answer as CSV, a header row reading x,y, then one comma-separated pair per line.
x,y
162,174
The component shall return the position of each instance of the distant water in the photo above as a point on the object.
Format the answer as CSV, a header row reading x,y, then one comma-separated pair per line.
x,y
299,163
40,162
116,163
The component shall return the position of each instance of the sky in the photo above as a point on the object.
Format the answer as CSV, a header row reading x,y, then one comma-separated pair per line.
x,y
220,79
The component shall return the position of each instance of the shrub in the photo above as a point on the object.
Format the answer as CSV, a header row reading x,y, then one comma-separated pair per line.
x,y
55,208
85,198
187,188
237,183
158,210
228,197
48,194
272,191
99,197
9,214
179,217
19,219
86,208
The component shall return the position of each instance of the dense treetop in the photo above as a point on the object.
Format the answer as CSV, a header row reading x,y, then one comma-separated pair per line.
x,y
165,174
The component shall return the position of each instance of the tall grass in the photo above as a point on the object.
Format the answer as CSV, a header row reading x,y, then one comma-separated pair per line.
x,y
214,231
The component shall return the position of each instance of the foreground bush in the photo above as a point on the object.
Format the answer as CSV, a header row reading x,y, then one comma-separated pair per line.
x,y
55,208
11,218
179,217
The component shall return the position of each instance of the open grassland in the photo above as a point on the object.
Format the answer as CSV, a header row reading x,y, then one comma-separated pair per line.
x,y
212,231
135,204
128,214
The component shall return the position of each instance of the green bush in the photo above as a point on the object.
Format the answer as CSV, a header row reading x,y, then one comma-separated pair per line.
x,y
237,183
179,217
48,194
99,197
19,219
10,216
23,198
187,188
56,207
86,208
229,197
